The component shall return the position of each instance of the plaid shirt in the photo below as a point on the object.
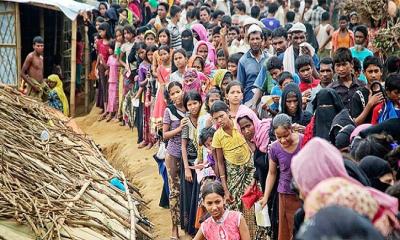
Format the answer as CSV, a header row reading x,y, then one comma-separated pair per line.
x,y
316,16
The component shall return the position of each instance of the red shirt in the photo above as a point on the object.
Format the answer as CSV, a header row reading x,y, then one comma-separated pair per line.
x,y
305,86
375,113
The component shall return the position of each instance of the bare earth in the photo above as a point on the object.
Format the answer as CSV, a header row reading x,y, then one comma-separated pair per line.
x,y
119,145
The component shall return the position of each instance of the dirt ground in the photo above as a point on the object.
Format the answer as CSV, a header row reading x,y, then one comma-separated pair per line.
x,y
119,145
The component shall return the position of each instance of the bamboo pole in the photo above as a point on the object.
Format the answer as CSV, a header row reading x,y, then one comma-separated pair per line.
x,y
87,69
42,22
131,210
73,68
20,82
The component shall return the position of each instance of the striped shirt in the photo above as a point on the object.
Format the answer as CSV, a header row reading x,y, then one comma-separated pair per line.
x,y
176,41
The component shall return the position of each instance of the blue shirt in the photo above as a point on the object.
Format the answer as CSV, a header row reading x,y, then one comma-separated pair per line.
x,y
262,76
361,56
247,72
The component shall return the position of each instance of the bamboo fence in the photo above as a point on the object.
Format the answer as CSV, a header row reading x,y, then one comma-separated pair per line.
x,y
56,181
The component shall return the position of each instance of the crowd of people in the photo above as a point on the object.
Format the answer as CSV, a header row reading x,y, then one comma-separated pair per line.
x,y
281,104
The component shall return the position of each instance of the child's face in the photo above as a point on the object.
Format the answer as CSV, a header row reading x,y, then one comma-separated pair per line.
x,y
232,67
343,69
247,128
163,38
194,107
51,84
150,40
141,53
214,205
235,95
286,82
221,62
221,118
102,33
164,55
208,143
197,65
179,60
394,96
275,73
213,98
373,73
128,36
119,37
305,73
203,51
176,95
111,51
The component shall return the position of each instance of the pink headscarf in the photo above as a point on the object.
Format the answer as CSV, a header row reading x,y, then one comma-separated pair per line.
x,y
201,31
358,130
319,160
212,55
262,127
195,85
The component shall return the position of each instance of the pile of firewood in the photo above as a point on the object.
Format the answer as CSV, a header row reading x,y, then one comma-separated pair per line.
x,y
56,181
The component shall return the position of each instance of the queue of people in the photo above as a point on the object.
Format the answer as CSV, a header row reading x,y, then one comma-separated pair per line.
x,y
256,99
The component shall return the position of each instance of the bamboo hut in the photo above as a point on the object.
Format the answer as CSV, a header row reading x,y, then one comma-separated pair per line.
x,y
54,20
54,181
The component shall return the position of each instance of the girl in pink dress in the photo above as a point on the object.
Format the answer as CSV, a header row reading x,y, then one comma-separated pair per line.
x,y
163,72
223,224
102,46
112,63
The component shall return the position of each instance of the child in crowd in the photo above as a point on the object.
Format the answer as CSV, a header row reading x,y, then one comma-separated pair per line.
x,y
102,46
234,97
223,223
222,78
179,60
112,72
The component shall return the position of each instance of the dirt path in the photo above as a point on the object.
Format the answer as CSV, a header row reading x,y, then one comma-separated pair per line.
x,y
119,145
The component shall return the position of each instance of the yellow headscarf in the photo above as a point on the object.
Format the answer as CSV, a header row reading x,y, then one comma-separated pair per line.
x,y
60,92
219,76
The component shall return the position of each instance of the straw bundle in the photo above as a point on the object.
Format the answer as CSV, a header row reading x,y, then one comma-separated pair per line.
x,y
56,181
377,9
387,40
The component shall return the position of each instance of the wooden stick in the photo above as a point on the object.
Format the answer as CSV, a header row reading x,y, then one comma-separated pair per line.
x,y
130,207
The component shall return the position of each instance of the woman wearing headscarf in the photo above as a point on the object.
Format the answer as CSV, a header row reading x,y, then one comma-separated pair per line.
x,y
343,192
327,105
378,171
56,97
187,41
207,52
221,79
191,81
335,222
328,163
200,34
292,105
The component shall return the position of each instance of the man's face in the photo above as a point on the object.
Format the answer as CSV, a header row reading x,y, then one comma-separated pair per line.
x,y
39,48
232,35
343,24
204,16
359,38
161,12
255,41
298,38
279,44
343,69
326,73
305,74
373,73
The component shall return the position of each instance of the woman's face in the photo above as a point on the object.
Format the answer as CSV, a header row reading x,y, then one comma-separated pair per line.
x,y
180,60
247,128
284,136
194,107
235,95
51,84
149,40
189,80
214,204
203,51
163,38
197,65
119,37
150,56
164,55
176,95
291,105
102,10
388,178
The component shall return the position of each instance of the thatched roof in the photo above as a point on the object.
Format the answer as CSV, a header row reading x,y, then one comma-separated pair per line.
x,y
55,181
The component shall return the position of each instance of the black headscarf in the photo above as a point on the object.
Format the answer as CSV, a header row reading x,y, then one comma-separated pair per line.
x,y
390,126
376,167
327,105
302,117
336,222
341,120
187,44
342,139
355,172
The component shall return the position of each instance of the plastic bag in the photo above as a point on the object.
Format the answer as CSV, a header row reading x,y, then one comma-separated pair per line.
x,y
161,151
251,195
262,217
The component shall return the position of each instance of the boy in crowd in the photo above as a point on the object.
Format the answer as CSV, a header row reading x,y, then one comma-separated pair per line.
x,y
343,37
305,68
359,50
345,85
364,100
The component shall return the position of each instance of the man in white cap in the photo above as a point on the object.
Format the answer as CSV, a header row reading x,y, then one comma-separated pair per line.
x,y
250,63
298,47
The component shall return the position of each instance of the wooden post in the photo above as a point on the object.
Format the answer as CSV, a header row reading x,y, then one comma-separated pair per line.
x,y
73,68
20,82
87,69
42,23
